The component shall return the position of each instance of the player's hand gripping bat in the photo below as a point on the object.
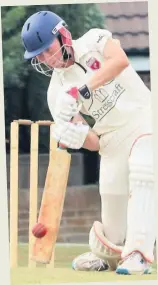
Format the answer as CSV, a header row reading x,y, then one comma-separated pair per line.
x,y
47,227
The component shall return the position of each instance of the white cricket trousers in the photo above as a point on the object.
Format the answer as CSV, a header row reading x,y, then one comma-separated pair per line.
x,y
114,182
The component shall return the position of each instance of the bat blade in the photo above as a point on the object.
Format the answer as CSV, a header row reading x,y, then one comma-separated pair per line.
x,y
52,205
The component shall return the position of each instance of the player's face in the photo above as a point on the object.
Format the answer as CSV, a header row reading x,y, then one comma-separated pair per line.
x,y
52,56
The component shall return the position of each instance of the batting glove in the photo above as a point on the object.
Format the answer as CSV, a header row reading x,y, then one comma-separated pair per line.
x,y
66,108
71,135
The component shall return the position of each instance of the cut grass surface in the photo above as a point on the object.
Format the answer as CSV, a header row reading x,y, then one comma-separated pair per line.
x,y
62,273
66,275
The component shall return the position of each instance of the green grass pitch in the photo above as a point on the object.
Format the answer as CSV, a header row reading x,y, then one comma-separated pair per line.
x,y
62,272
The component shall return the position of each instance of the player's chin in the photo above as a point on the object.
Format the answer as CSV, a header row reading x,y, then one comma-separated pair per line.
x,y
59,66
56,64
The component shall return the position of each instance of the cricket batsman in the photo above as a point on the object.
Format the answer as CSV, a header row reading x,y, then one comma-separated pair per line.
x,y
96,71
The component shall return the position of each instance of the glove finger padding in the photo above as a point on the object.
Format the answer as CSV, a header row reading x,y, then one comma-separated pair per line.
x,y
71,135
102,247
66,107
67,114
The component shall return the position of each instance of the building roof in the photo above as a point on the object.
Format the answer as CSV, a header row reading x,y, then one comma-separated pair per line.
x,y
129,23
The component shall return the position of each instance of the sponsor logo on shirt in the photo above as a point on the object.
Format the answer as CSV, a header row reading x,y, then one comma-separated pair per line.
x,y
100,38
93,63
104,101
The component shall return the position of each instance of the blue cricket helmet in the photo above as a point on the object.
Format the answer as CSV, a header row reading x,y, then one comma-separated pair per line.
x,y
40,30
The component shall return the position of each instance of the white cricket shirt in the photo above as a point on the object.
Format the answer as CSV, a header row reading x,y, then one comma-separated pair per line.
x,y
114,105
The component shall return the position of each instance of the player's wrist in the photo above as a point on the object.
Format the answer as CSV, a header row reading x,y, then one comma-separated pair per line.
x,y
85,91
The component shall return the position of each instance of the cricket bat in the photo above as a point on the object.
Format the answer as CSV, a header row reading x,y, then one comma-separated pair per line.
x,y
52,201
52,205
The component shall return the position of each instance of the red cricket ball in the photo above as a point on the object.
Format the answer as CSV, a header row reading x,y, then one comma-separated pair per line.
x,y
39,230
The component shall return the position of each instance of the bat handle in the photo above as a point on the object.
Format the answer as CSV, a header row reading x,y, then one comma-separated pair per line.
x,y
74,93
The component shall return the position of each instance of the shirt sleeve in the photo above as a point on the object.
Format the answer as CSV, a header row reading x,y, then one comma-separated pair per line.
x,y
95,39
54,92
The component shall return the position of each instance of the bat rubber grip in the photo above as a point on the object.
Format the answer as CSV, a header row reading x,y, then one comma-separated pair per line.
x,y
62,146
